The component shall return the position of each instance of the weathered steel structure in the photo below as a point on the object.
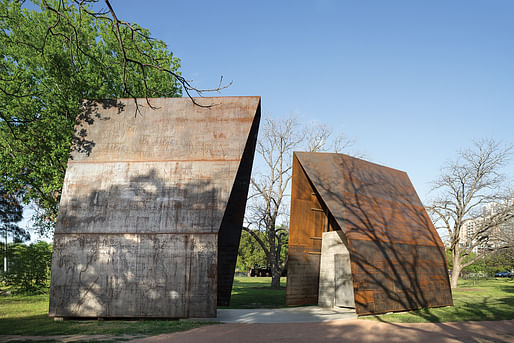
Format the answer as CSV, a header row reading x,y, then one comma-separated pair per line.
x,y
396,258
152,207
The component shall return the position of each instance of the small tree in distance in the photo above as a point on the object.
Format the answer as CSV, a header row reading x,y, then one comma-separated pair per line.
x,y
11,212
465,185
30,270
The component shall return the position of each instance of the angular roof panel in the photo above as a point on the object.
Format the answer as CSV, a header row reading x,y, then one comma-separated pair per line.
x,y
397,257
364,196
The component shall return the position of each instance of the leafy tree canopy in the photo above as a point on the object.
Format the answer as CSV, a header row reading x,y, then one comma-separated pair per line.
x,y
52,58
250,254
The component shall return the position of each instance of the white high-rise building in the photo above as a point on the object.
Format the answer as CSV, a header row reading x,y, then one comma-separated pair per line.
x,y
497,235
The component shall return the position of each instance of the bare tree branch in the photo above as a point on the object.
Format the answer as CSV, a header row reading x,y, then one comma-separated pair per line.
x,y
271,187
126,34
466,185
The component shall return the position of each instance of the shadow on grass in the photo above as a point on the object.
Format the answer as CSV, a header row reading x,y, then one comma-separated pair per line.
x,y
489,308
507,288
480,300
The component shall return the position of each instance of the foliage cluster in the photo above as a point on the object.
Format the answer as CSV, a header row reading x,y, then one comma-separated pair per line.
x,y
251,255
498,261
49,61
29,267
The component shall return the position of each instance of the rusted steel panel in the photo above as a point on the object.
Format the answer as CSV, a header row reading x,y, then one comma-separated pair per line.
x,y
144,198
306,226
397,257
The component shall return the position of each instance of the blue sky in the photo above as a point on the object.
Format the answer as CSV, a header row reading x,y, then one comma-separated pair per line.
x,y
411,81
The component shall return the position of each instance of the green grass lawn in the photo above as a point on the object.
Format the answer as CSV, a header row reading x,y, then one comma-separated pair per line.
x,y
28,315
255,292
472,300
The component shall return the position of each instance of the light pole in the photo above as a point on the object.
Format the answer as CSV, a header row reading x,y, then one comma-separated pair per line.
x,y
5,250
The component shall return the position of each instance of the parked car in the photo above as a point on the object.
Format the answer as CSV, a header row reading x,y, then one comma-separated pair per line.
x,y
503,274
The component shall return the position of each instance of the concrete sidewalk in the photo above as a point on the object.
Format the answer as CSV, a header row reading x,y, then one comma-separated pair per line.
x,y
347,331
305,314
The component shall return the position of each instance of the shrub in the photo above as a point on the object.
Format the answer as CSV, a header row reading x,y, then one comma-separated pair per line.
x,y
29,268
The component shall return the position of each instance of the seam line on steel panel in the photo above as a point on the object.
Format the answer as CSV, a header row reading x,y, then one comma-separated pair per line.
x,y
150,161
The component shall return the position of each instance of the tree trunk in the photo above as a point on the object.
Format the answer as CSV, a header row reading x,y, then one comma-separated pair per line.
x,y
457,268
275,278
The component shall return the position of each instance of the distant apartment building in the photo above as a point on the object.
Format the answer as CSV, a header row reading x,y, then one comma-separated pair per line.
x,y
498,236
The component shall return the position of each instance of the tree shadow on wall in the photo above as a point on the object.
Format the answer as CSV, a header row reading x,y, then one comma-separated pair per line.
x,y
90,112
397,261
141,248
105,196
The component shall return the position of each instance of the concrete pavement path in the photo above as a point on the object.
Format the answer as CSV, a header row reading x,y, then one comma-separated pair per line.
x,y
347,331
285,315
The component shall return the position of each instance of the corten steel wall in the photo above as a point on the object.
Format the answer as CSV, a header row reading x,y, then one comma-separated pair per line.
x,y
397,257
145,198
